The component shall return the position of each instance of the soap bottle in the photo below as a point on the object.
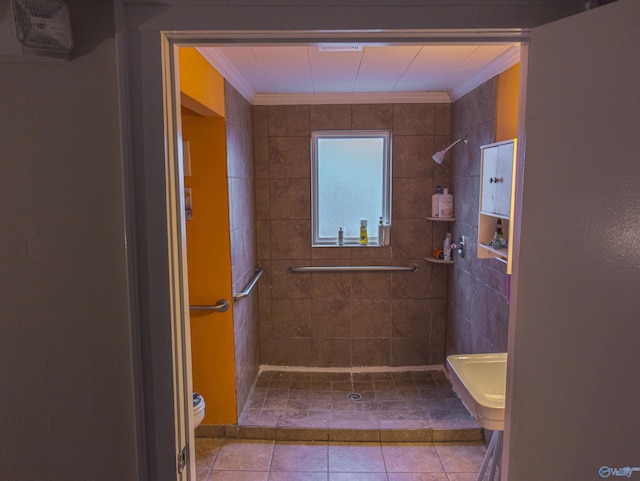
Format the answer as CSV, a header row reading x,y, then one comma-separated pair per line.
x,y
435,202
447,247
364,238
381,232
497,238
340,236
445,207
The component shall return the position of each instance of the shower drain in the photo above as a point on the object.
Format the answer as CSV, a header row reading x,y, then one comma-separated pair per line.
x,y
354,396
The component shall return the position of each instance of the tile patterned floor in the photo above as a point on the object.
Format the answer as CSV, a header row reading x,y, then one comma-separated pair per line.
x,y
394,406
271,460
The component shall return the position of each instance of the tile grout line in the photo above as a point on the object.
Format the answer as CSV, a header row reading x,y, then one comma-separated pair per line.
x,y
273,452
384,460
435,448
215,458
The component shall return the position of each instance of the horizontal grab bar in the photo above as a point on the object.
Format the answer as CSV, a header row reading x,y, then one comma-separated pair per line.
x,y
247,290
221,306
295,270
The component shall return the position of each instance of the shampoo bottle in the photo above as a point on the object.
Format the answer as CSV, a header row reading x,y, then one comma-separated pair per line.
x,y
435,202
381,232
447,247
340,236
445,208
364,238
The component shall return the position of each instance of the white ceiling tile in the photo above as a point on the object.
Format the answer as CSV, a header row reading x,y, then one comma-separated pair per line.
x,y
482,56
247,66
334,71
382,67
431,68
397,69
287,68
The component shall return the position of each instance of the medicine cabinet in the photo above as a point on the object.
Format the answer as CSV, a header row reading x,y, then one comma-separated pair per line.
x,y
496,198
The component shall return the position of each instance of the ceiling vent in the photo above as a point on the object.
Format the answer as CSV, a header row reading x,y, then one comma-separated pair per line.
x,y
339,47
35,28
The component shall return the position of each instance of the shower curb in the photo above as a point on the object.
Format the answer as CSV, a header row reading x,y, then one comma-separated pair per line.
x,y
384,432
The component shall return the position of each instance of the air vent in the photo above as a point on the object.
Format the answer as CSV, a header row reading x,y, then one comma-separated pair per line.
x,y
339,47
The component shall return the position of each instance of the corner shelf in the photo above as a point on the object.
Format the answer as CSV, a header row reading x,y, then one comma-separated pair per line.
x,y
433,260
437,261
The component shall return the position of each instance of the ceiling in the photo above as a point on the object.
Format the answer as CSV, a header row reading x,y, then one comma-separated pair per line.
x,y
361,73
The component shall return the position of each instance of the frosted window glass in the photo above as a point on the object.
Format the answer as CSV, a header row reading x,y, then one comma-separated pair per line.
x,y
351,182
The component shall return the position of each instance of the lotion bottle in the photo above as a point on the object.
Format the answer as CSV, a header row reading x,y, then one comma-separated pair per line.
x,y
445,207
364,237
435,202
447,247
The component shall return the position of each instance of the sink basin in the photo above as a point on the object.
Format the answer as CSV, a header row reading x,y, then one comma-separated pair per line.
x,y
481,381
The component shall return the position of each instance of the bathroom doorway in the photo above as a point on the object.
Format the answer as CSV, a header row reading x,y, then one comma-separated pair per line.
x,y
220,38
574,389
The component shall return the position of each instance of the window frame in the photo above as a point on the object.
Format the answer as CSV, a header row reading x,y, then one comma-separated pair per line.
x,y
352,241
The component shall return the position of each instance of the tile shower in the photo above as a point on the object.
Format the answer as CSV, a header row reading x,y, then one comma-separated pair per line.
x,y
329,320
349,319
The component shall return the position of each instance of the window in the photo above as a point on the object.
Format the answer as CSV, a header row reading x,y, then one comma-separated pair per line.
x,y
350,180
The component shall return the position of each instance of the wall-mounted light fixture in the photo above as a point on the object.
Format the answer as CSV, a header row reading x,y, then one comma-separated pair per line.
x,y
439,156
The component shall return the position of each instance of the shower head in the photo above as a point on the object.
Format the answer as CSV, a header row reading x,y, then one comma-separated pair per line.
x,y
439,156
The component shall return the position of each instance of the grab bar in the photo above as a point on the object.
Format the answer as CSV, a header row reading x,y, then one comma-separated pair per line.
x,y
221,306
295,270
247,290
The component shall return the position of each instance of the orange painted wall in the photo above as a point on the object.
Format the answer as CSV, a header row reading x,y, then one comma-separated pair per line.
x,y
209,261
201,86
507,104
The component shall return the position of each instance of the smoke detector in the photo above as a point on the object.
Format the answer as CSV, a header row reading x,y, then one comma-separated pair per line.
x,y
36,28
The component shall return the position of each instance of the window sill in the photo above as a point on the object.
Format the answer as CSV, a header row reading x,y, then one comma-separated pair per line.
x,y
371,244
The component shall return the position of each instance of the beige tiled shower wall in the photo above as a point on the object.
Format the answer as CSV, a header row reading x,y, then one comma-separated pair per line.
x,y
349,319
477,306
242,216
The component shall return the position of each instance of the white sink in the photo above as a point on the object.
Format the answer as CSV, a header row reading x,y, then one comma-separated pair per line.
x,y
481,381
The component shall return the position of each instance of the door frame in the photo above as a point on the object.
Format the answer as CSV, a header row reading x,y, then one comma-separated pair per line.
x,y
178,272
161,99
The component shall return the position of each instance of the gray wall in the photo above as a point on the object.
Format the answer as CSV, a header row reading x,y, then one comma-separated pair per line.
x,y
154,15
477,310
65,349
349,319
242,222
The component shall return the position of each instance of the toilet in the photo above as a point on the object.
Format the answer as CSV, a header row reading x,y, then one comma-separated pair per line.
x,y
198,409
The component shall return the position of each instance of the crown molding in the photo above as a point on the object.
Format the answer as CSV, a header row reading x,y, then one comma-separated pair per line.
x,y
220,62
503,62
352,98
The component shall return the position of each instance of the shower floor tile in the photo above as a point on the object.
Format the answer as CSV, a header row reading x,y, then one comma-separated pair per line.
x,y
390,406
